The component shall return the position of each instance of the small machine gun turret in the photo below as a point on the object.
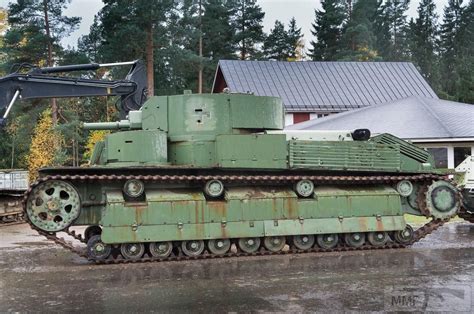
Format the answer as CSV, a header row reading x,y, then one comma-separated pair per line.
x,y
42,83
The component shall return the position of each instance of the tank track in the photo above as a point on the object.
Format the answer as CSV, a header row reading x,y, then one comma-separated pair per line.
x,y
16,219
419,234
468,216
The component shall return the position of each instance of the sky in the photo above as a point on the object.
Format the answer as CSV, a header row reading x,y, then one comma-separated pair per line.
x,y
283,10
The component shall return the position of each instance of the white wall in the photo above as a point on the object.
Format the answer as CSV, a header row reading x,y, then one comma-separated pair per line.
x,y
288,119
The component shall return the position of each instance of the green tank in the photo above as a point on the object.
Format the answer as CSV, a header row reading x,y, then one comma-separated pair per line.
x,y
198,176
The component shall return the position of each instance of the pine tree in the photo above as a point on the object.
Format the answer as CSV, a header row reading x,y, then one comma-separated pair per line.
x,y
218,37
247,20
282,44
465,59
383,37
36,28
295,40
128,30
327,30
276,46
423,36
218,33
392,23
450,46
359,40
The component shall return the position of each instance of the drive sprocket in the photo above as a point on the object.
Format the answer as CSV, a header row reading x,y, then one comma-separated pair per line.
x,y
440,200
53,205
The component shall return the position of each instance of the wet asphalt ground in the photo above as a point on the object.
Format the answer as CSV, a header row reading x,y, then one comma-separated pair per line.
x,y
435,274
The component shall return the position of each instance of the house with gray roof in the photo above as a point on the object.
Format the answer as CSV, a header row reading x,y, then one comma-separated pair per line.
x,y
445,128
315,89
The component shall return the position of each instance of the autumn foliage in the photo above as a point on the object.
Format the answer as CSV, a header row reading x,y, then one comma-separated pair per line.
x,y
94,137
45,149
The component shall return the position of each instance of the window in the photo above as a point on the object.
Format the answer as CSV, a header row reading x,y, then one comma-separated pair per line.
x,y
460,153
440,156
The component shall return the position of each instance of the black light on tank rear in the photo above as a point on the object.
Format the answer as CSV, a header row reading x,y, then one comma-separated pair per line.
x,y
361,135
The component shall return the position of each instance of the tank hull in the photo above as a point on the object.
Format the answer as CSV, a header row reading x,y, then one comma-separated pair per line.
x,y
260,205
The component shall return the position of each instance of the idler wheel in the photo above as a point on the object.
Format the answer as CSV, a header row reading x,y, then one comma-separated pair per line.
x,y
303,242
161,249
98,250
404,236
327,241
132,251
249,245
378,239
274,244
355,239
192,247
53,205
219,246
441,200
304,188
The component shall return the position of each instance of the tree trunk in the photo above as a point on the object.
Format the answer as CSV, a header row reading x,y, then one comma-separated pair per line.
x,y
13,151
54,106
149,61
243,52
200,49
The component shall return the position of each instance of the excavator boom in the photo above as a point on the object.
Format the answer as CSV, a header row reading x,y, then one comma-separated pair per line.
x,y
40,83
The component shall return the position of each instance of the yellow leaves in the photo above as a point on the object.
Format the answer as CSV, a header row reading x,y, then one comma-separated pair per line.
x,y
366,54
45,145
3,21
94,137
299,51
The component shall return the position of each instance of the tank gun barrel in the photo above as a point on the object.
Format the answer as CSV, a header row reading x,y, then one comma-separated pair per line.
x,y
133,122
123,124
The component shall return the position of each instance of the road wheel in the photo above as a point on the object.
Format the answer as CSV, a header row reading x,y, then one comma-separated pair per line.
x,y
378,239
132,251
98,250
404,236
249,245
192,247
303,242
274,244
327,241
219,246
356,239
161,249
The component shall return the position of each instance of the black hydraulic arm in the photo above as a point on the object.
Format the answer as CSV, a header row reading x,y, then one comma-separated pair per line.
x,y
40,83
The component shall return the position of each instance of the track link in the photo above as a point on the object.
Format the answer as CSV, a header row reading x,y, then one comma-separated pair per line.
x,y
419,234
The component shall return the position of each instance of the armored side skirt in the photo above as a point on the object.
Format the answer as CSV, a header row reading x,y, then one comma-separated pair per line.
x,y
185,214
